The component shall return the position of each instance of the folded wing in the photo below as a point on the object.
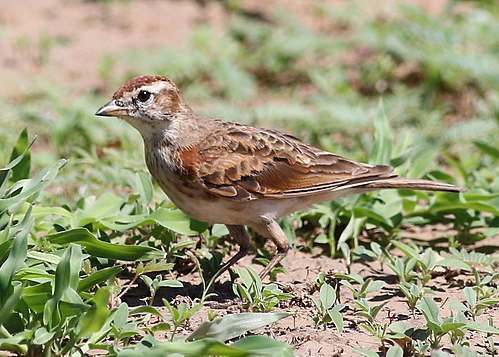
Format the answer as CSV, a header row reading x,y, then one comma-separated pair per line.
x,y
246,163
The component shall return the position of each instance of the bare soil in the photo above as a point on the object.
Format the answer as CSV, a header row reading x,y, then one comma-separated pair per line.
x,y
300,330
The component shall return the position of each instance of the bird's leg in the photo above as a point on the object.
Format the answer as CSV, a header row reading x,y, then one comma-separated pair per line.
x,y
271,229
240,235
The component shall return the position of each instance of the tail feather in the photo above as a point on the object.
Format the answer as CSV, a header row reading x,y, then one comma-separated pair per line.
x,y
412,184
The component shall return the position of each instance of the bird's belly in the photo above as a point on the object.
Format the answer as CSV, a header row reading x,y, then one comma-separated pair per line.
x,y
200,204
196,202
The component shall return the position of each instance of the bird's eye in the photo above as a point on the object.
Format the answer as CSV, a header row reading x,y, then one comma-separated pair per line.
x,y
144,95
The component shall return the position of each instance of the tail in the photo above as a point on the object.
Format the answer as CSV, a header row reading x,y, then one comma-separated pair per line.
x,y
412,184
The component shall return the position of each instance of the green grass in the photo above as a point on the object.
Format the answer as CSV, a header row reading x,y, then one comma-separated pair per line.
x,y
78,209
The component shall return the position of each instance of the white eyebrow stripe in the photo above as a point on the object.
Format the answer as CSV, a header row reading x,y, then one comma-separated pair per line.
x,y
154,88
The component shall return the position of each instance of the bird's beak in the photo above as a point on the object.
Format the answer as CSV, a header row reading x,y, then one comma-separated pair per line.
x,y
111,109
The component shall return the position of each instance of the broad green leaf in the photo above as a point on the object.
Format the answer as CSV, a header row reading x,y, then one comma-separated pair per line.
x,y
144,186
232,326
170,284
264,346
21,149
32,186
327,295
121,315
155,267
470,295
372,215
95,318
337,317
453,263
395,351
204,347
442,206
481,327
450,326
420,163
44,257
97,277
16,258
381,151
98,248
65,284
178,221
146,310
36,296
348,231
10,301
410,252
487,149
430,310
42,336
375,286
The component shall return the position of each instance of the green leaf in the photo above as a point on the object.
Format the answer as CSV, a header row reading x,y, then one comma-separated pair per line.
x,y
178,221
144,186
395,351
375,286
470,295
407,250
21,149
337,317
381,151
327,295
487,149
170,284
234,325
264,346
420,163
204,347
65,284
42,336
10,301
98,248
98,277
121,315
95,318
348,231
146,310
16,258
31,186
453,263
450,326
430,310
481,327
443,206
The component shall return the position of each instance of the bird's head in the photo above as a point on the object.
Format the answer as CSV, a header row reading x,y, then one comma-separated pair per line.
x,y
146,102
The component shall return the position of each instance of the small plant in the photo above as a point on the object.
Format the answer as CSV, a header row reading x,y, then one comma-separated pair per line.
x,y
455,326
366,286
477,303
155,284
181,313
374,327
254,295
413,293
327,308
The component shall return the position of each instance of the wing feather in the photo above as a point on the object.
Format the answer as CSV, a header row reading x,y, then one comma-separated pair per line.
x,y
244,163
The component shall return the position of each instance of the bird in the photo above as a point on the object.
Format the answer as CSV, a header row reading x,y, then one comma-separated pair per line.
x,y
225,172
